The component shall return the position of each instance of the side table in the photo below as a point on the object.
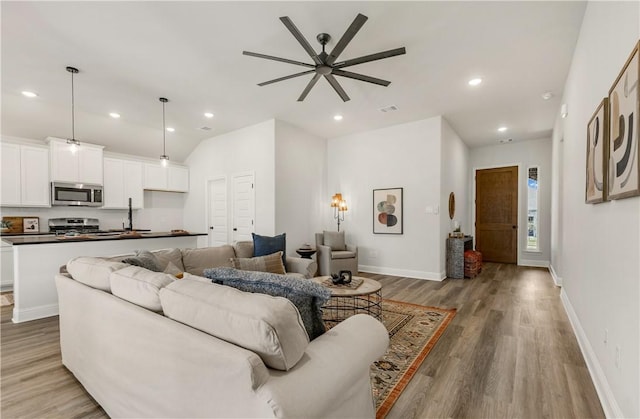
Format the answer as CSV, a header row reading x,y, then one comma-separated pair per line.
x,y
455,255
346,302
306,253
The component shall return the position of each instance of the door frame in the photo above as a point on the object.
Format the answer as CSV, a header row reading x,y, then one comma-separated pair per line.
x,y
473,201
208,204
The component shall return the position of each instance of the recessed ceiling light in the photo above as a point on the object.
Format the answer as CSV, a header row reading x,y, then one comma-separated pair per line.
x,y
547,95
29,94
475,82
502,129
114,115
208,115
170,129
337,117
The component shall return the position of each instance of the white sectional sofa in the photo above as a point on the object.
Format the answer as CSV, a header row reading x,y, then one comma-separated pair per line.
x,y
147,345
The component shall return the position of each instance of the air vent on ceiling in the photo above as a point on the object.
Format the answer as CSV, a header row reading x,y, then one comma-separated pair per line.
x,y
390,108
506,140
205,128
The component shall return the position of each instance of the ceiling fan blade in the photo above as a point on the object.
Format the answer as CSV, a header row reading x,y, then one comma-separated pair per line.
x,y
360,77
298,35
307,89
264,83
371,57
336,86
271,57
347,37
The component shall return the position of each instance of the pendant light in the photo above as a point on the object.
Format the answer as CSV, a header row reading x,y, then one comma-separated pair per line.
x,y
72,141
164,159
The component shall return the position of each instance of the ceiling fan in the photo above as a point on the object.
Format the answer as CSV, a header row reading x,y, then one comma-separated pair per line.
x,y
325,64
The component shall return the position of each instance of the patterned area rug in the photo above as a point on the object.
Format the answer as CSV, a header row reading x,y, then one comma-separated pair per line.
x,y
413,331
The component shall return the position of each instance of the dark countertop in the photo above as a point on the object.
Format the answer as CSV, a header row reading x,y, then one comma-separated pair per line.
x,y
31,233
47,239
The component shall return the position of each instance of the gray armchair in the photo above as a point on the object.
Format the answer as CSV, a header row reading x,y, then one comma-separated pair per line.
x,y
334,255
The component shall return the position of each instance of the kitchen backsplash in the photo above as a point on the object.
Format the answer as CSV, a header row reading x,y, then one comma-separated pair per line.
x,y
163,212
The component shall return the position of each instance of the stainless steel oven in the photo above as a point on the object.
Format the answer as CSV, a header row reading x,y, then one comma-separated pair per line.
x,y
76,194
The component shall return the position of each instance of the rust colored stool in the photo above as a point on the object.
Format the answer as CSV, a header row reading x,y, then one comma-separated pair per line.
x,y
472,263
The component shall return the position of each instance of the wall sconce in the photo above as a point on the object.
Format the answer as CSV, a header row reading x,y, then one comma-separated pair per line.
x,y
339,206
564,110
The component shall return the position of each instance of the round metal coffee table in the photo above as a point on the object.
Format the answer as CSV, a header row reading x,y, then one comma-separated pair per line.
x,y
347,301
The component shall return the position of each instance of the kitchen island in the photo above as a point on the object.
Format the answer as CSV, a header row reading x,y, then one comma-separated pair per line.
x,y
36,260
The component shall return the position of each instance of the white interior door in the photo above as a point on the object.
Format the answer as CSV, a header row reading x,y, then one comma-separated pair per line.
x,y
243,207
217,196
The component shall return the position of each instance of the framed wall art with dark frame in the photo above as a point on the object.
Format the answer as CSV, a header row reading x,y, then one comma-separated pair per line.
x,y
624,151
387,211
597,154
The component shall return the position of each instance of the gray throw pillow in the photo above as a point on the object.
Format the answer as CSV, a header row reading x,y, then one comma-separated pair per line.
x,y
335,240
144,259
306,295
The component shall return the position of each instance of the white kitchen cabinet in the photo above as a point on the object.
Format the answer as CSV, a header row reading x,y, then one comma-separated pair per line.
x,y
83,166
178,179
34,176
10,194
25,176
171,178
122,180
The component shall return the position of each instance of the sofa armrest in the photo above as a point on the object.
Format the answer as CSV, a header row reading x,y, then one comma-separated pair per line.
x,y
335,370
306,267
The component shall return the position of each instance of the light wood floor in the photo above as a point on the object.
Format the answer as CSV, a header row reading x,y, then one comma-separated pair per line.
x,y
509,353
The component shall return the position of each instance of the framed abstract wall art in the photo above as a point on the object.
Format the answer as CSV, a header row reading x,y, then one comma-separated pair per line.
x,y
597,153
624,153
387,211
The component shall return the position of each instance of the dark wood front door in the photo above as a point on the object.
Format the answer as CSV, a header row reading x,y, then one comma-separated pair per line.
x,y
497,214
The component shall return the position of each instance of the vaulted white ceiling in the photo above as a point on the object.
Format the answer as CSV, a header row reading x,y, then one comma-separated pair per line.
x,y
131,53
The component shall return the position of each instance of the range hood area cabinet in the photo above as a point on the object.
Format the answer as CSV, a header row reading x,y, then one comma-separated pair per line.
x,y
25,175
122,180
83,166
171,178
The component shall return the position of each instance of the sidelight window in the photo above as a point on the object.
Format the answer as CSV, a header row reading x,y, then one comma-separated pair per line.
x,y
532,209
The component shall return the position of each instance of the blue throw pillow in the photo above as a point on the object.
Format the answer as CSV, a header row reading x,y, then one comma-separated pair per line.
x,y
265,245
306,295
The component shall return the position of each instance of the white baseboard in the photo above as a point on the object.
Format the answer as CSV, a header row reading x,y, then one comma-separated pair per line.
x,y
407,273
35,313
556,279
607,400
534,263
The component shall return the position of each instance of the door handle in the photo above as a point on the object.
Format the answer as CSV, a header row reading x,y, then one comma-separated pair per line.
x,y
235,229
514,227
211,228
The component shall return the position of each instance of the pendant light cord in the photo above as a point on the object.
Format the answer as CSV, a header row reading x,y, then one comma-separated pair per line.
x,y
73,111
164,133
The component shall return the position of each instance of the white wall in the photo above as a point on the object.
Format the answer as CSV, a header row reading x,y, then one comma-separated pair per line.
x,y
250,149
525,154
300,184
407,156
600,244
454,176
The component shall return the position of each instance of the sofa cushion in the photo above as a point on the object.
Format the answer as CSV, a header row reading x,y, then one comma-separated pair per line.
x,y
335,240
265,245
144,259
197,260
140,286
269,326
93,271
244,249
172,269
166,256
307,296
270,263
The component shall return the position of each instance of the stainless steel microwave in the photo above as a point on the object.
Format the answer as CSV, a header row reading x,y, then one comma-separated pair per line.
x,y
76,194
